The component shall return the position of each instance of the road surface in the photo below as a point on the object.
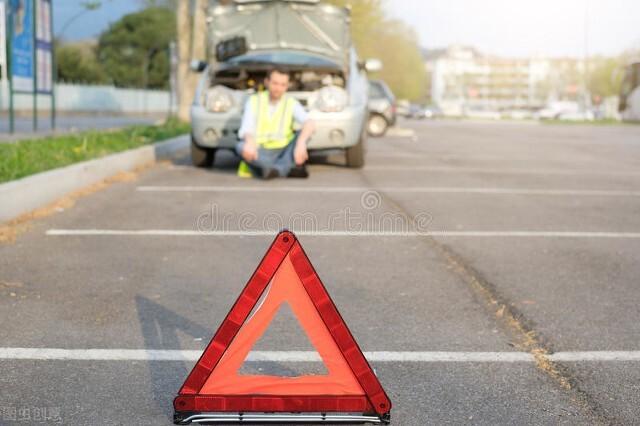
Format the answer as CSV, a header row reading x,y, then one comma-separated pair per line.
x,y
489,270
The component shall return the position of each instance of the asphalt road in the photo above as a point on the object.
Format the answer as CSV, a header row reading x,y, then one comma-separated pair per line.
x,y
457,239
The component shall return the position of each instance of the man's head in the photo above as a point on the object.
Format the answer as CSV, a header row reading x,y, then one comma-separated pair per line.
x,y
277,82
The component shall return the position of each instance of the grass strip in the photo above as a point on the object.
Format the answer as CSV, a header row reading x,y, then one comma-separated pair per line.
x,y
30,156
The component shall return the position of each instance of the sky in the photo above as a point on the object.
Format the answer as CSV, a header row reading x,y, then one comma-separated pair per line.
x,y
501,27
89,24
525,27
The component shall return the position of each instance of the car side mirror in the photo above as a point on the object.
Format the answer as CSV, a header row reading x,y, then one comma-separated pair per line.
x,y
372,65
197,65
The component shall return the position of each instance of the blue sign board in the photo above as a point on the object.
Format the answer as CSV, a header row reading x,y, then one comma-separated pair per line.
x,y
22,44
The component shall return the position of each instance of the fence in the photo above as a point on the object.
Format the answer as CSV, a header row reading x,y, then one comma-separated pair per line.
x,y
85,98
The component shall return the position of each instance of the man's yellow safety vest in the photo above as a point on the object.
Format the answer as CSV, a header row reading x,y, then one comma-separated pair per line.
x,y
273,131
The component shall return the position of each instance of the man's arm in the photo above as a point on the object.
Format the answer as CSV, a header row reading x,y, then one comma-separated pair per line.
x,y
246,133
300,153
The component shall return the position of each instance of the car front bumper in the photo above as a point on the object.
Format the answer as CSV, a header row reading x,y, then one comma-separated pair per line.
x,y
333,129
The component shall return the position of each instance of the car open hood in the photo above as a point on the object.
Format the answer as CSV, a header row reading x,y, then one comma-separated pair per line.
x,y
303,25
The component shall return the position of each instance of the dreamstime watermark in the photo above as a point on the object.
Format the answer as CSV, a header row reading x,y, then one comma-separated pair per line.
x,y
369,218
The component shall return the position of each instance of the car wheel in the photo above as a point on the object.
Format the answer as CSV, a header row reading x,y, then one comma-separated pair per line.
x,y
355,154
201,157
377,125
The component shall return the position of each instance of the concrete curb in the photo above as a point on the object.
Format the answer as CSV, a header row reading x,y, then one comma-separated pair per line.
x,y
26,194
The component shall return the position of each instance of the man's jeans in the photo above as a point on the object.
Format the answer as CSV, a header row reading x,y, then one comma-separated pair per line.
x,y
280,160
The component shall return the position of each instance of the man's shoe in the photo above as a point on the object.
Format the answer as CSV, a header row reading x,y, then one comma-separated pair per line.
x,y
269,173
299,172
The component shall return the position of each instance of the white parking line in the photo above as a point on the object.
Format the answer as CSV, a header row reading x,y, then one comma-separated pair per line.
x,y
413,190
306,356
480,170
497,170
462,234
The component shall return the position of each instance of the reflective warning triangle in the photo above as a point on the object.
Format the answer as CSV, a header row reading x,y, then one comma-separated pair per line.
x,y
215,384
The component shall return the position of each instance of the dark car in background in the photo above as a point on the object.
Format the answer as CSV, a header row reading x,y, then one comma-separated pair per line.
x,y
382,108
420,112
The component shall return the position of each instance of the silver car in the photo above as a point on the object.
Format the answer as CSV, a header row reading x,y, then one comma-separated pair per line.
x,y
311,40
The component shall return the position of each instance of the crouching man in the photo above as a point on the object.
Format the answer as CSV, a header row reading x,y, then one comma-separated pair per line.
x,y
268,145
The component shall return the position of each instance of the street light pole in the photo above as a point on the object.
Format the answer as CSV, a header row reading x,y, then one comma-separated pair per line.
x,y
587,92
88,6
147,63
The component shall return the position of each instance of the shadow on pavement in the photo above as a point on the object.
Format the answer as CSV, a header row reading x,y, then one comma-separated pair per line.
x,y
227,162
160,328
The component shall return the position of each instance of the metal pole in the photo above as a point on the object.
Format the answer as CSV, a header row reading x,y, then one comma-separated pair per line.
x,y
9,71
172,76
587,93
54,69
34,23
145,76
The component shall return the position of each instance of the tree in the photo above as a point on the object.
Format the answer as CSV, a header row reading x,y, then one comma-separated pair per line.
x,y
191,44
391,41
77,63
605,76
404,69
367,17
134,52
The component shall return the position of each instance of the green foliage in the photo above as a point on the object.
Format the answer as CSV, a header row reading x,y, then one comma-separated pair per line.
x,y
391,41
404,69
28,157
134,52
605,76
367,17
78,64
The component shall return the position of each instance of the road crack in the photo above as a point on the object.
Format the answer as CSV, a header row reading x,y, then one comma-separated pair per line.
x,y
513,322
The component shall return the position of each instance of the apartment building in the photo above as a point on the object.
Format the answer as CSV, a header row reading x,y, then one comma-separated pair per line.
x,y
462,78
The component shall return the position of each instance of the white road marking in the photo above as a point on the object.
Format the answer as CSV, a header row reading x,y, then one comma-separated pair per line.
x,y
426,190
480,170
307,356
497,170
462,234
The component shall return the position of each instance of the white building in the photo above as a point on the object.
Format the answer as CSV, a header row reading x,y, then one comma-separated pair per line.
x,y
463,78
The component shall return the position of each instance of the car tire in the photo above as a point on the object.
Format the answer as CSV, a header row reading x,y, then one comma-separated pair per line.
x,y
201,157
355,154
377,125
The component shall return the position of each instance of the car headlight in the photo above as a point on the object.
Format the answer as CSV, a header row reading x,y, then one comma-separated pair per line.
x,y
218,99
331,99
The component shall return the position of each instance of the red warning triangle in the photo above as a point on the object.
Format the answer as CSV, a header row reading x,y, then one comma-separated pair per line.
x,y
215,384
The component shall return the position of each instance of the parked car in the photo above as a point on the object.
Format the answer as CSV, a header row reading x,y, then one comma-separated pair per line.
x,y
382,108
581,115
565,110
403,108
420,112
312,41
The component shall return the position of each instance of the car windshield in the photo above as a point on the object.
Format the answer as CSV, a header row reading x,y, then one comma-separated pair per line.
x,y
283,58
